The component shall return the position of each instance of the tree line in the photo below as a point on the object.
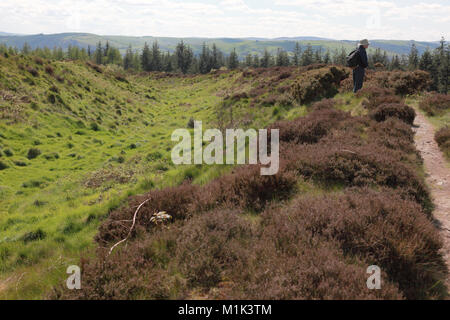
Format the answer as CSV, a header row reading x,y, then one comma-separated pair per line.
x,y
182,58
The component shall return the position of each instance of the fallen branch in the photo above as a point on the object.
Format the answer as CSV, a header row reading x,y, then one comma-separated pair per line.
x,y
131,229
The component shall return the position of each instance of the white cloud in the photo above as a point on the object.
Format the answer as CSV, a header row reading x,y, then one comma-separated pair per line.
x,y
342,19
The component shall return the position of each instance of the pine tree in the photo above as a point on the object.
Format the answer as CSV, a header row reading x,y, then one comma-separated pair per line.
x,y
233,60
255,63
114,56
146,58
215,58
106,51
426,61
318,56
58,53
136,64
297,54
265,60
205,60
184,56
156,64
128,60
404,62
248,60
26,49
413,58
307,56
395,63
282,59
442,61
98,54
84,55
168,64
327,57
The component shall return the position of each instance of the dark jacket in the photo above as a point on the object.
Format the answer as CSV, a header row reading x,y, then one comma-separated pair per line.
x,y
362,57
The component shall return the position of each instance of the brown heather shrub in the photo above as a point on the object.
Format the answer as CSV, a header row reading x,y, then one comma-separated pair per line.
x,y
308,270
436,103
39,61
176,201
248,189
314,66
284,75
323,104
442,137
379,228
133,273
318,83
374,103
238,96
312,128
94,66
379,66
245,188
49,70
284,100
346,85
376,96
400,111
284,89
270,100
256,92
347,163
403,82
249,73
314,248
120,76
371,92
393,134
213,246
223,255
59,78
33,71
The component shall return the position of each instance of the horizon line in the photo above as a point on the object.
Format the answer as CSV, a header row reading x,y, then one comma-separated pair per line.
x,y
254,38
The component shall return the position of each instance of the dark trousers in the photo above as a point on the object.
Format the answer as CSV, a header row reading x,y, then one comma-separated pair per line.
x,y
358,78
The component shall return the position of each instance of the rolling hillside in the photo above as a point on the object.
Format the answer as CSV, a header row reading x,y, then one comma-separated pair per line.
x,y
82,145
243,46
76,140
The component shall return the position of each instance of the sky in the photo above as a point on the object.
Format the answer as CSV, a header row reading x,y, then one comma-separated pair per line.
x,y
336,19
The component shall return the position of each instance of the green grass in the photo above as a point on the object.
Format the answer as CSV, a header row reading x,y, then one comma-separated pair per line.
x,y
438,121
100,140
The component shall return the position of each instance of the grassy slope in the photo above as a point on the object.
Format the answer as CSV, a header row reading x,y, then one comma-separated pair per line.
x,y
54,195
95,170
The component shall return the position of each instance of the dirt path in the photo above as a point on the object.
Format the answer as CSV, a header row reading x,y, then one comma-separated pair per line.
x,y
438,179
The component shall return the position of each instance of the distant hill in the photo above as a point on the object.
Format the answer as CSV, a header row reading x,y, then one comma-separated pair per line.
x,y
8,34
243,46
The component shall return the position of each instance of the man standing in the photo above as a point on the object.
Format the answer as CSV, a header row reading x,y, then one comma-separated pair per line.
x,y
360,70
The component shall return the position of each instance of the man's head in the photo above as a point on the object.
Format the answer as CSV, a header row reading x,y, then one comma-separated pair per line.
x,y
365,43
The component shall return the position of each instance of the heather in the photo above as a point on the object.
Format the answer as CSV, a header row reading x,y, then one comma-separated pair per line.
x,y
82,145
244,236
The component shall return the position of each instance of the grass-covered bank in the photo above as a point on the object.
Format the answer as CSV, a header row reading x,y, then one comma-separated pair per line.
x,y
77,140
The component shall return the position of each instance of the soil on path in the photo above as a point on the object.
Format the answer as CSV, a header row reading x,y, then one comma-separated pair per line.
x,y
438,179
